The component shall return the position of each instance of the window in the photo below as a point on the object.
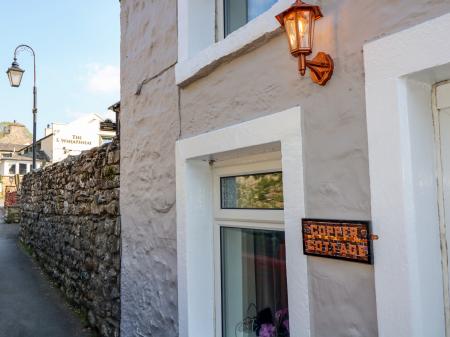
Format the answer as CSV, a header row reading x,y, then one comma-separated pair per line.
x,y
7,155
12,169
252,191
106,139
238,12
251,282
205,27
254,285
23,169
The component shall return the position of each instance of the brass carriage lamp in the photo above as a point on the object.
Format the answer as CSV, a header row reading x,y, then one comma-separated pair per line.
x,y
298,22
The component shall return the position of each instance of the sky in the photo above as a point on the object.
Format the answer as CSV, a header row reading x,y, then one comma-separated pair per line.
x,y
77,45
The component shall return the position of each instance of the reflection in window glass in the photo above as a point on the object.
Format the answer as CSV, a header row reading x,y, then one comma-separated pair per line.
x,y
254,191
12,169
239,12
254,285
23,169
106,140
257,7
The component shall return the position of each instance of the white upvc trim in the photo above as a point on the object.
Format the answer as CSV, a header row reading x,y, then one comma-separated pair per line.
x,y
403,305
243,218
195,234
192,13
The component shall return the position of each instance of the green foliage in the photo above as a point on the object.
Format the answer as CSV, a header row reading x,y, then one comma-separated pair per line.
x,y
260,191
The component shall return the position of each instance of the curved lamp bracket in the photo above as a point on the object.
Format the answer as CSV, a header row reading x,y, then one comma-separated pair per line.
x,y
321,68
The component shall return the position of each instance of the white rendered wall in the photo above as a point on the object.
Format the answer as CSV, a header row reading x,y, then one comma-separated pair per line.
x,y
73,138
3,168
408,274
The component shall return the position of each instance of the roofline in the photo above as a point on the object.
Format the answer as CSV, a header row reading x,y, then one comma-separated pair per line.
x,y
39,140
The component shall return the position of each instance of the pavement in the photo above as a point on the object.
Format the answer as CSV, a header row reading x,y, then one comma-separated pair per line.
x,y
29,306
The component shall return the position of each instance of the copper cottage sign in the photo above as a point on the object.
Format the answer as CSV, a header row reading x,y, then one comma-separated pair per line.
x,y
345,240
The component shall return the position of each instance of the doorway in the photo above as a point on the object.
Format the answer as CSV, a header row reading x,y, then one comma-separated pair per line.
x,y
250,248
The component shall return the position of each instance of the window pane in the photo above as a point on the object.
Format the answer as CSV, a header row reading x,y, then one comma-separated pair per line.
x,y
106,139
254,285
239,12
12,169
22,169
257,7
235,15
254,191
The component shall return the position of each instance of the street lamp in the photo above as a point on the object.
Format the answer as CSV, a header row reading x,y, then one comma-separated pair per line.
x,y
15,74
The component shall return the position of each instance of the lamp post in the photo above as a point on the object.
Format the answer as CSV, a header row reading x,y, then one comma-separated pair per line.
x,y
15,74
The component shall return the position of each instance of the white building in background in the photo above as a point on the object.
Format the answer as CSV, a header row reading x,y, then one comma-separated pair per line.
x,y
63,140
12,163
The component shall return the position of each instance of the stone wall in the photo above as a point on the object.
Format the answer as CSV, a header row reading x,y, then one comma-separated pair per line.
x,y
71,222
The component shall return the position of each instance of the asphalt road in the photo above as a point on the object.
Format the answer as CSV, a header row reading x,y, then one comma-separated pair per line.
x,y
29,306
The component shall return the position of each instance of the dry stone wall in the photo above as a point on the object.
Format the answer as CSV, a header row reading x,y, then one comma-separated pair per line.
x,y
71,222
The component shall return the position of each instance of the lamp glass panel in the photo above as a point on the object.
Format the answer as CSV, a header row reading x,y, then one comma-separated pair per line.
x,y
15,76
291,31
304,19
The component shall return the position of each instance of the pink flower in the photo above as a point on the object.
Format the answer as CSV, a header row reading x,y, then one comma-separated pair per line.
x,y
280,313
267,330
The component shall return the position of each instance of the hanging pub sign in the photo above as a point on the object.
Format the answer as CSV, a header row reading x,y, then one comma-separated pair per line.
x,y
338,239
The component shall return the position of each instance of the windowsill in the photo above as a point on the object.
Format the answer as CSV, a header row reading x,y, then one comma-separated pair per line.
x,y
248,37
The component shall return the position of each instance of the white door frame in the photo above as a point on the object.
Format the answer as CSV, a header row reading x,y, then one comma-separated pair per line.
x,y
440,190
239,218
408,295
196,305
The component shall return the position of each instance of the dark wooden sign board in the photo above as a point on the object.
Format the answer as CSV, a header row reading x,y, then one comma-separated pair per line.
x,y
337,239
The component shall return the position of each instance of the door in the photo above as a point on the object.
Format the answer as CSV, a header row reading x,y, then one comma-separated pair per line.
x,y
441,118
251,284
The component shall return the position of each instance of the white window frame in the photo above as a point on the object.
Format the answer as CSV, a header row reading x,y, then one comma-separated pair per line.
x,y
220,20
400,70
199,43
239,218
195,217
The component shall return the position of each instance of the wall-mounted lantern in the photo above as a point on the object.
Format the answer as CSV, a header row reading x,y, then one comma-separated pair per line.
x,y
298,22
